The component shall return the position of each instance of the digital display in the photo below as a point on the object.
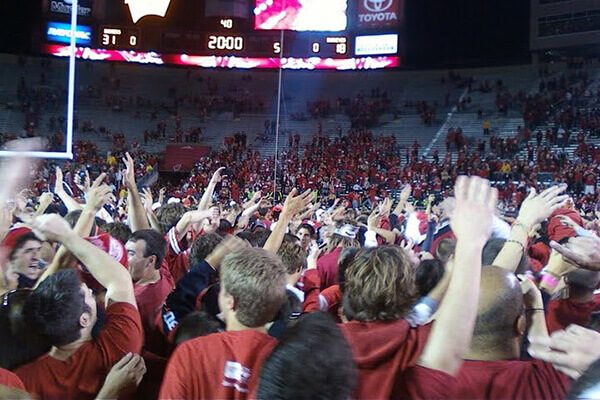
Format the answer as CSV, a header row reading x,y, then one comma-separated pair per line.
x,y
330,31
61,32
376,45
301,15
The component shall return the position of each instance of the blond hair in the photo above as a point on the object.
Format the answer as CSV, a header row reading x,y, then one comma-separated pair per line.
x,y
255,278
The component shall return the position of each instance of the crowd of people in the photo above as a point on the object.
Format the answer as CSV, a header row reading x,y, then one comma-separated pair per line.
x,y
112,292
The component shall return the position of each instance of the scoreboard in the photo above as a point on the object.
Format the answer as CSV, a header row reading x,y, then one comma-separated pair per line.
x,y
334,34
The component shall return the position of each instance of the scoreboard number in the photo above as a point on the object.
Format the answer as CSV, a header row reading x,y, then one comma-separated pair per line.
x,y
277,47
341,48
316,47
227,23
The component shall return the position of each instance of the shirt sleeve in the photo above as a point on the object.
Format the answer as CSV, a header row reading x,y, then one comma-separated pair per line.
x,y
312,282
182,300
122,333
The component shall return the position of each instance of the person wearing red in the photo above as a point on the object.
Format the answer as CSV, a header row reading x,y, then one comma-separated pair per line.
x,y
393,359
493,369
11,380
226,365
581,302
64,311
152,281
343,236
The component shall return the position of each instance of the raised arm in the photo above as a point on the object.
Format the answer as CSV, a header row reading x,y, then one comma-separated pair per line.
x,y
59,190
136,213
147,201
471,223
534,210
210,189
534,308
97,196
107,271
293,205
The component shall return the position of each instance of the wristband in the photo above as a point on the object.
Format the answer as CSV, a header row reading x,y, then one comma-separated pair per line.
x,y
522,225
534,309
550,280
517,242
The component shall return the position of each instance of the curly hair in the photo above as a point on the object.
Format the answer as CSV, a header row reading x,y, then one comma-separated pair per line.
x,y
380,284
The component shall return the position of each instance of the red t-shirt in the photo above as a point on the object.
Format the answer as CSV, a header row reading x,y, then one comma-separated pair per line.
x,y
424,383
510,379
328,268
564,312
150,299
9,379
381,351
82,375
223,365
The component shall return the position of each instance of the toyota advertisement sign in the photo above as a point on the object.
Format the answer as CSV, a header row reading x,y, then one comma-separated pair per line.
x,y
379,13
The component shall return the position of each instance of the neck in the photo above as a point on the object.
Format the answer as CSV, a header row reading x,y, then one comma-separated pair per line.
x,y
235,325
152,277
493,351
63,353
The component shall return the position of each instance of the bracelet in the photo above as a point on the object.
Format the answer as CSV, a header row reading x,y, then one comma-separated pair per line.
x,y
517,242
522,225
549,280
534,309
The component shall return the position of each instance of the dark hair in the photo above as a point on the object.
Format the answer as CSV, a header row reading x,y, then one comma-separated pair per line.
x,y
445,249
20,342
56,305
312,361
224,227
493,247
195,324
429,273
203,246
345,258
290,238
118,230
260,237
155,244
73,216
169,215
308,227
21,241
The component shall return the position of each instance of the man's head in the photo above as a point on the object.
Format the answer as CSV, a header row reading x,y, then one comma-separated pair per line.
x,y
63,308
73,217
203,246
500,322
119,231
493,247
380,284
252,287
306,233
169,215
145,252
327,370
445,249
294,260
23,249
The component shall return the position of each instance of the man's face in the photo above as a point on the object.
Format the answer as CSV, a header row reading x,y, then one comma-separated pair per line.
x,y
305,237
25,260
90,301
138,264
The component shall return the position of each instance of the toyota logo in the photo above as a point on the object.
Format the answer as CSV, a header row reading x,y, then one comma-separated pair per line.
x,y
378,5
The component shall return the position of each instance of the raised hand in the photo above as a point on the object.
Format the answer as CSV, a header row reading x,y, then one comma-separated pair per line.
x,y
16,170
295,203
570,351
85,186
50,227
374,218
405,193
58,184
582,252
537,208
471,219
146,196
129,172
46,199
98,194
217,176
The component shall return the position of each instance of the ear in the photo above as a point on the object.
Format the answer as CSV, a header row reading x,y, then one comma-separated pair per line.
x,y
85,320
229,302
152,261
520,324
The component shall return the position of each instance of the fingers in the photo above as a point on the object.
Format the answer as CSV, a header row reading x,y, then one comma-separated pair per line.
x,y
460,188
123,361
98,180
532,193
567,253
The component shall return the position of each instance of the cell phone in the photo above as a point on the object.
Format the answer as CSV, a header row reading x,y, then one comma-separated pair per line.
x,y
322,245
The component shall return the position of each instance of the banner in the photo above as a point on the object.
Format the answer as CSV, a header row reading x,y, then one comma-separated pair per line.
x,y
379,13
182,158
